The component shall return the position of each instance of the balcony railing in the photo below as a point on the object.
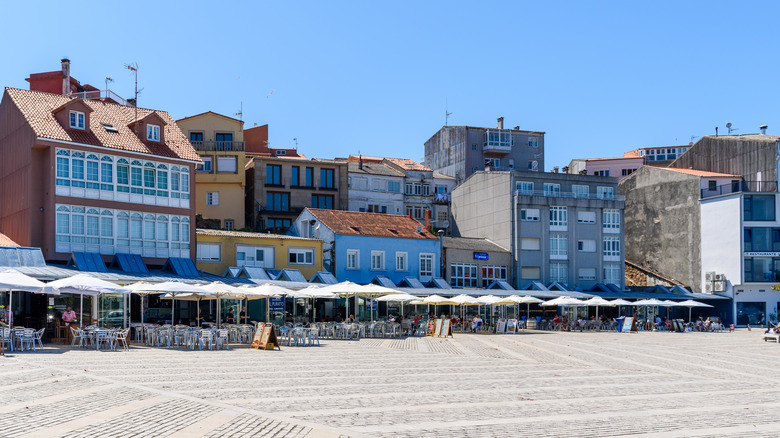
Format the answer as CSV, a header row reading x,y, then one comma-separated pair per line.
x,y
100,95
740,186
211,145
569,195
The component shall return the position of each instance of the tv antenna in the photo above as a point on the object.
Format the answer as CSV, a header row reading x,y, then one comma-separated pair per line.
x,y
728,126
133,67
296,142
447,114
240,112
108,79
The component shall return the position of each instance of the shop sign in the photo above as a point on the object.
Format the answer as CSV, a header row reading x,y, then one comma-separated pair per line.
x,y
480,256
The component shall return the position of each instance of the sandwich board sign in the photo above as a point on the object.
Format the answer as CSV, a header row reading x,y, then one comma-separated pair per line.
x,y
265,337
446,327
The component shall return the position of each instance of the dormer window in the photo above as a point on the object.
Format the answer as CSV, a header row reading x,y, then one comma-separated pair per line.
x,y
152,132
77,119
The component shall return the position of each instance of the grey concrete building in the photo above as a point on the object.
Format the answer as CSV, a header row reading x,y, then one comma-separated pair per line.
x,y
750,155
558,227
459,151
375,187
473,263
278,189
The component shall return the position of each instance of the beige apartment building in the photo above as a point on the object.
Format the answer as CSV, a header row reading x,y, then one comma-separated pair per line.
x,y
221,181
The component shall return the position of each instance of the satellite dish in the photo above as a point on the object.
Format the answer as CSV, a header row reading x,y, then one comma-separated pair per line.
x,y
728,125
419,228
534,165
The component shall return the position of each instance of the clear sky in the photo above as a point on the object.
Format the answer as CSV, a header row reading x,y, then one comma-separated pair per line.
x,y
599,78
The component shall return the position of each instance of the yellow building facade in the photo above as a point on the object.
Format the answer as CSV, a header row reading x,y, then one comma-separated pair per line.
x,y
219,250
221,180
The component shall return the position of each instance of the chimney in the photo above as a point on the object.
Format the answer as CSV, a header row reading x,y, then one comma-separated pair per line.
x,y
428,220
488,165
65,76
500,123
555,169
516,128
763,129
360,165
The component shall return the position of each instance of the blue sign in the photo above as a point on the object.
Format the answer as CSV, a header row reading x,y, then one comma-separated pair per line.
x,y
276,304
371,304
480,256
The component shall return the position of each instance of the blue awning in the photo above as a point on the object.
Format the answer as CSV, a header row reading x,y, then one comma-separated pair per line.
x,y
411,282
182,267
88,261
291,275
383,280
439,283
324,278
129,263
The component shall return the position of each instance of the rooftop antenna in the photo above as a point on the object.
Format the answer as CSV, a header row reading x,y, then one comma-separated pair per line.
x,y
728,126
133,67
447,114
296,142
240,112
108,79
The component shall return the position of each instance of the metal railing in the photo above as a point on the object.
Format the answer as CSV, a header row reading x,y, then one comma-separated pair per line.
x,y
211,145
738,187
569,195
100,95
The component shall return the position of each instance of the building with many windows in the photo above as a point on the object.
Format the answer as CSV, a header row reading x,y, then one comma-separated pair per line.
x,y
360,246
220,181
474,263
279,189
619,167
417,186
374,186
558,227
459,151
219,250
83,175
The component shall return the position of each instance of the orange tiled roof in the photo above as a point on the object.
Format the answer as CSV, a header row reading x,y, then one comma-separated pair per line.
x,y
5,241
407,164
37,109
371,224
701,173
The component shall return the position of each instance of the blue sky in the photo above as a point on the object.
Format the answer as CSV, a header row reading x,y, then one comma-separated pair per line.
x,y
600,78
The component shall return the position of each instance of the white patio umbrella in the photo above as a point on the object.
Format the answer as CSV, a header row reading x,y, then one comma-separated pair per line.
x,y
313,292
136,289
268,290
11,280
562,301
598,301
375,290
690,304
650,302
349,289
398,298
620,302
220,291
85,284
527,300
174,288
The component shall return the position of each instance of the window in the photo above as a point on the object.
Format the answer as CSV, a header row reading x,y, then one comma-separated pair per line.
x,y
416,212
223,141
612,249
229,225
77,120
152,132
209,252
394,187
93,172
63,168
463,275
601,172
586,274
212,198
559,272
206,167
295,176
586,245
326,178
530,243
441,216
255,256
401,261
273,174
611,220
495,163
580,191
551,189
309,177
533,142
441,189
426,266
301,256
353,259
226,164
558,247
196,138
276,201
757,207
106,174
473,147
612,275
281,224
376,208
492,273
761,239
529,214
77,169
162,180
627,172
322,201
605,192
558,218
377,260
525,187
586,217
149,179
530,273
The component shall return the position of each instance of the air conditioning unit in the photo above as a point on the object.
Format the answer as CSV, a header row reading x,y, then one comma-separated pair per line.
x,y
709,276
708,288
720,277
719,286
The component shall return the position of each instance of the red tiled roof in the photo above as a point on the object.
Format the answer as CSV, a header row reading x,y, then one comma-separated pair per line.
x,y
701,173
371,224
5,241
37,109
407,164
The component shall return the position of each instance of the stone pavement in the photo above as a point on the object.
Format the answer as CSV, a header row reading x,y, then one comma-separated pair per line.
x,y
530,384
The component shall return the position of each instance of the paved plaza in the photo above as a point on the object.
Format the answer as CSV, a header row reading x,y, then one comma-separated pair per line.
x,y
530,384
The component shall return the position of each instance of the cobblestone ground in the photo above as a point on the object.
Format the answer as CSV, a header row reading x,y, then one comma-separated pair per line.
x,y
530,384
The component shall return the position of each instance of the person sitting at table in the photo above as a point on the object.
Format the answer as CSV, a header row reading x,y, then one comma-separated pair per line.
x,y
390,318
476,323
230,318
69,315
351,318
339,319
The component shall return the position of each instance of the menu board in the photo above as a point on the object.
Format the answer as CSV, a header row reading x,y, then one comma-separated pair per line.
x,y
265,337
446,328
431,327
501,327
511,325
437,328
628,325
